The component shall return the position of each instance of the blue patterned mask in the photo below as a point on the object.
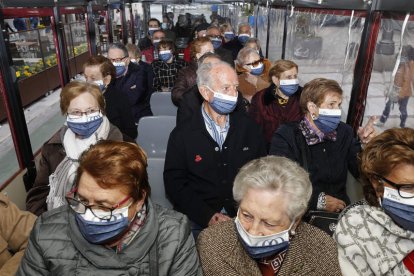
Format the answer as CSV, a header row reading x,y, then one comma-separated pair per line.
x,y
120,68
243,38
165,55
85,125
401,210
328,120
228,35
258,70
223,104
289,87
151,31
101,84
216,42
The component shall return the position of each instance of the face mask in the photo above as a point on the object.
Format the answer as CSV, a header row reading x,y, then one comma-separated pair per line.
x,y
289,87
120,68
101,231
155,43
165,55
164,26
216,42
228,35
257,71
262,246
86,125
328,119
401,210
243,38
101,84
223,104
133,60
151,31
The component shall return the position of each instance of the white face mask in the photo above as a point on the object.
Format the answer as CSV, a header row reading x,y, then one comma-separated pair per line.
x,y
133,60
119,63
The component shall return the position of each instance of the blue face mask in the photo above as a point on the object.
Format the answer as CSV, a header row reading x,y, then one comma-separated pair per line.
x,y
120,68
155,42
228,35
258,247
289,87
85,125
243,38
151,31
328,120
257,71
165,55
99,231
223,104
101,85
216,42
401,210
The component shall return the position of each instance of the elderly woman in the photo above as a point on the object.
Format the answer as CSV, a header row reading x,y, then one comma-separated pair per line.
x,y
100,71
252,71
279,103
84,107
110,225
267,237
227,32
254,43
377,238
322,144
187,77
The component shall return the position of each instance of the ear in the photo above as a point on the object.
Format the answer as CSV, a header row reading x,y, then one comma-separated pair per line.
x,y
198,55
205,93
378,187
107,80
275,80
139,203
312,108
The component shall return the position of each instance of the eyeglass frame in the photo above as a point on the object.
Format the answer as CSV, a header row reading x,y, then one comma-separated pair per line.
x,y
395,185
90,111
117,59
260,60
110,209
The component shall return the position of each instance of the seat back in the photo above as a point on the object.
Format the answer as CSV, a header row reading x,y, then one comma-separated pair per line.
x,y
161,104
153,134
155,171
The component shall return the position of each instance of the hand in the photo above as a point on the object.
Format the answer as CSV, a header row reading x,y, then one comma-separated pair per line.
x,y
333,204
367,132
218,217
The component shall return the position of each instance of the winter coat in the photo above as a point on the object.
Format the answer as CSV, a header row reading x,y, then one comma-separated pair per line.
x,y
404,78
15,227
186,79
164,246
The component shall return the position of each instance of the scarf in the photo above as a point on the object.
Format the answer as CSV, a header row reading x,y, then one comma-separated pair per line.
x,y
62,179
313,136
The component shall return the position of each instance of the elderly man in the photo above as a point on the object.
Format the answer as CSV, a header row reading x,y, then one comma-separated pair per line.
x,y
235,45
214,34
131,79
151,53
205,153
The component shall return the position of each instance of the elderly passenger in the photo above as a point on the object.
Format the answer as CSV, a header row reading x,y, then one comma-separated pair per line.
x,y
267,237
84,107
279,103
322,144
252,71
377,238
227,32
235,45
110,225
205,153
15,227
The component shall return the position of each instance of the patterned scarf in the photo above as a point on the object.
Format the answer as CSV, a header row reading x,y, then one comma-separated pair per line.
x,y
273,265
314,136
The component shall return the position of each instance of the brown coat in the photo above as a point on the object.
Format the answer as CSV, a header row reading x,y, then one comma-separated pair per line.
x,y
186,79
246,87
15,227
404,78
52,154
311,252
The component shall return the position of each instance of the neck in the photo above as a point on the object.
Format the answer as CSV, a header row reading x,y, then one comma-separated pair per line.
x,y
217,118
280,93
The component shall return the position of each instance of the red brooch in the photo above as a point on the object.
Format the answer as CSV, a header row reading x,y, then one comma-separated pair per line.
x,y
198,158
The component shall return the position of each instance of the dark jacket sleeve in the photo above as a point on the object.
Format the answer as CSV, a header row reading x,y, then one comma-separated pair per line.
x,y
176,183
354,150
180,87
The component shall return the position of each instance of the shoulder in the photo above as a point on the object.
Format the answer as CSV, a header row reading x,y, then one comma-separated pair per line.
x,y
172,224
218,238
53,225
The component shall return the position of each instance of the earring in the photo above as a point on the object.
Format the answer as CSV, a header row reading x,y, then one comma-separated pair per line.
x,y
292,232
313,116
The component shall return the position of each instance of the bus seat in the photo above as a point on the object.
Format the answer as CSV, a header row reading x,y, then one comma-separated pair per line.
x,y
155,171
161,104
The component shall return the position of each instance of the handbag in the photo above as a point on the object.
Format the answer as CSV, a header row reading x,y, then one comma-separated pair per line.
x,y
324,220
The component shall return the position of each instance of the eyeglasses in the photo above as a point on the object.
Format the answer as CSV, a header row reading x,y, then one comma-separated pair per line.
x,y
99,211
255,63
118,59
404,190
76,114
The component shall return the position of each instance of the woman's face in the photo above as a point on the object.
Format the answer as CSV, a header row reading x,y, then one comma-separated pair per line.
x,y
93,73
205,48
91,193
332,100
253,59
263,212
85,102
290,74
402,174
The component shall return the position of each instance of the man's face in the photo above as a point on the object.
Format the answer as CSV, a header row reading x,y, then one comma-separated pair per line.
x,y
225,82
244,30
153,24
117,55
158,36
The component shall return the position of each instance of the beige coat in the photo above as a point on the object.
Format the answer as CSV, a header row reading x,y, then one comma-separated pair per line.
x,y
405,79
311,252
15,227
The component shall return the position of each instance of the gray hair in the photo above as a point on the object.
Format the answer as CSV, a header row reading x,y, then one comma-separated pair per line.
x,y
206,56
204,75
253,40
119,46
275,173
243,54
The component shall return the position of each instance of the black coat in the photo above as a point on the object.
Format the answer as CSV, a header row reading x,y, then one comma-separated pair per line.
x,y
225,55
118,113
328,162
198,177
135,84
234,46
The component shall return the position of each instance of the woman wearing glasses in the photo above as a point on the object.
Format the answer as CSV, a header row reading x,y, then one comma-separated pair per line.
x,y
252,71
84,107
280,102
110,226
377,238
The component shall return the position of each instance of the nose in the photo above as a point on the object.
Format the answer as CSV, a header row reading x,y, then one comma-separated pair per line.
x,y
255,229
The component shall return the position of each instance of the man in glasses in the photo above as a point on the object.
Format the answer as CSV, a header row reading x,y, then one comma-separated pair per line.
x,y
131,79
109,225
214,34
205,152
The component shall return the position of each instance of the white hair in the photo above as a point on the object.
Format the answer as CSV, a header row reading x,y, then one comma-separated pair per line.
x,y
204,74
275,173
